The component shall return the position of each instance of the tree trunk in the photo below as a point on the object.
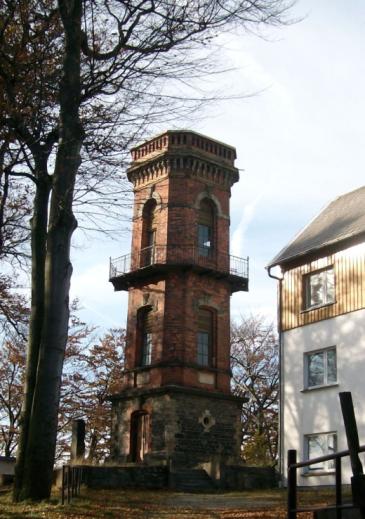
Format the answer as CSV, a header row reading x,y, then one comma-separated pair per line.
x,y
40,442
38,245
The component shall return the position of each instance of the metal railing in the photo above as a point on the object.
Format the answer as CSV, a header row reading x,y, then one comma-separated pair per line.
x,y
293,465
72,478
179,255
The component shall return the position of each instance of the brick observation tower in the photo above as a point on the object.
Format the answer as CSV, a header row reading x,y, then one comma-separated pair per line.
x,y
176,406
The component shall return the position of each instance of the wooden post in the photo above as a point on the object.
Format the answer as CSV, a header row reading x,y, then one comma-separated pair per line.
x,y
292,484
358,478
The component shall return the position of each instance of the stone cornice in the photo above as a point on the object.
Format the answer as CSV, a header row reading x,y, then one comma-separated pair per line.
x,y
174,389
167,164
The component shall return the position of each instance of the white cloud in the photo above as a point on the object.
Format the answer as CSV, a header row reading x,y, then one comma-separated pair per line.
x,y
239,233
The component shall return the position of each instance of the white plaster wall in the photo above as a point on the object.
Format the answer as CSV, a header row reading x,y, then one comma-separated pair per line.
x,y
318,410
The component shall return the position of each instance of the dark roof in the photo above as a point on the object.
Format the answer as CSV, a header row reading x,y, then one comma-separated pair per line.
x,y
342,219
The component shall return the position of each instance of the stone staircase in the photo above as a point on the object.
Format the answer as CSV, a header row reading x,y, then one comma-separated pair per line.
x,y
191,480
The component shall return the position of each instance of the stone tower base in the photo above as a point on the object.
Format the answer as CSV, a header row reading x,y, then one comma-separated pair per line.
x,y
180,427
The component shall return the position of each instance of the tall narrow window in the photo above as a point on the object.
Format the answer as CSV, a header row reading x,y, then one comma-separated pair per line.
x,y
205,228
148,233
205,337
145,336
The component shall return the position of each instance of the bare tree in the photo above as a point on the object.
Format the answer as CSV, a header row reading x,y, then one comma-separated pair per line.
x,y
15,207
79,80
255,367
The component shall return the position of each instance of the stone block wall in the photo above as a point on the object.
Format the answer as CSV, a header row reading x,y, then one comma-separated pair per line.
x,y
126,477
187,427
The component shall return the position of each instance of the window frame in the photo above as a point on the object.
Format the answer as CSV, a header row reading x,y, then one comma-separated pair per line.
x,y
211,333
148,233
146,349
306,364
203,357
209,224
204,249
327,467
144,338
328,299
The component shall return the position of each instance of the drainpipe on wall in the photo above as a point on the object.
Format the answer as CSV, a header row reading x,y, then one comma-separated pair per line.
x,y
281,377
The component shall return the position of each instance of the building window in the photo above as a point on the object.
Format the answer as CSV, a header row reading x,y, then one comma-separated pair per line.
x,y
146,349
319,288
205,337
317,445
206,228
148,233
320,368
145,336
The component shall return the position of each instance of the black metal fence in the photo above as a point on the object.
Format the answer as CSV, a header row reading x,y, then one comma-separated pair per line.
x,y
293,466
72,479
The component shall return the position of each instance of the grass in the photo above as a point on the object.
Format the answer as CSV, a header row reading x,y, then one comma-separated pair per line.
x,y
138,504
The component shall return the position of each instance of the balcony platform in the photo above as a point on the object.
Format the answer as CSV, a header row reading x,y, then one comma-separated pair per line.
x,y
154,262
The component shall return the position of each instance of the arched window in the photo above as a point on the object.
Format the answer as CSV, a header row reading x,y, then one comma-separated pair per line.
x,y
145,336
205,337
206,222
148,233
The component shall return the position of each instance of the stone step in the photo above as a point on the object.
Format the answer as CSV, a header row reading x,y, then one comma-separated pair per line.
x,y
191,480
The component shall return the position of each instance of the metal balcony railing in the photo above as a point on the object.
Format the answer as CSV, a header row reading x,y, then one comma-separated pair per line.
x,y
204,257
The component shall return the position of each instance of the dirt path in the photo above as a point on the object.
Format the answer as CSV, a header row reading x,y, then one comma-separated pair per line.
x,y
231,501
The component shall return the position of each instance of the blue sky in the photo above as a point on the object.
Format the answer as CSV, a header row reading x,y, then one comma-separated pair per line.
x,y
299,141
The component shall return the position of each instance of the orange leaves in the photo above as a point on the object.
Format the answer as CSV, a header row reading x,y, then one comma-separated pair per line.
x,y
91,373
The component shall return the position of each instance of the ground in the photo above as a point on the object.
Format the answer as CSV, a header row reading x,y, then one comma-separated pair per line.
x,y
129,504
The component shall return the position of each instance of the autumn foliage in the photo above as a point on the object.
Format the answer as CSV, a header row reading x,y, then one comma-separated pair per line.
x,y
91,373
255,368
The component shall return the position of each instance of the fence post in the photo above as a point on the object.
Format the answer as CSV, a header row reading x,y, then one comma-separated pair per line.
x,y
73,474
338,488
358,478
292,484
68,484
63,486
81,473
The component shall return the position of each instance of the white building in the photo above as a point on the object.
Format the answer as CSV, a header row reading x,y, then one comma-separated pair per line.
x,y
322,323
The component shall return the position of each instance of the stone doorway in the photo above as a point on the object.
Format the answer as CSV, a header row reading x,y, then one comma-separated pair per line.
x,y
139,436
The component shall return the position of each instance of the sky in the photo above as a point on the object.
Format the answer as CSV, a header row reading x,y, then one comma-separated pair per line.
x,y
299,142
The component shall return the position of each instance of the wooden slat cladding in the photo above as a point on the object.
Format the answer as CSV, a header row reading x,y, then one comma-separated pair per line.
x,y
349,270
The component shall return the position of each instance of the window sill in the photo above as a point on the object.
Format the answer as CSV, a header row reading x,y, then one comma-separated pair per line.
x,y
317,307
319,473
315,388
